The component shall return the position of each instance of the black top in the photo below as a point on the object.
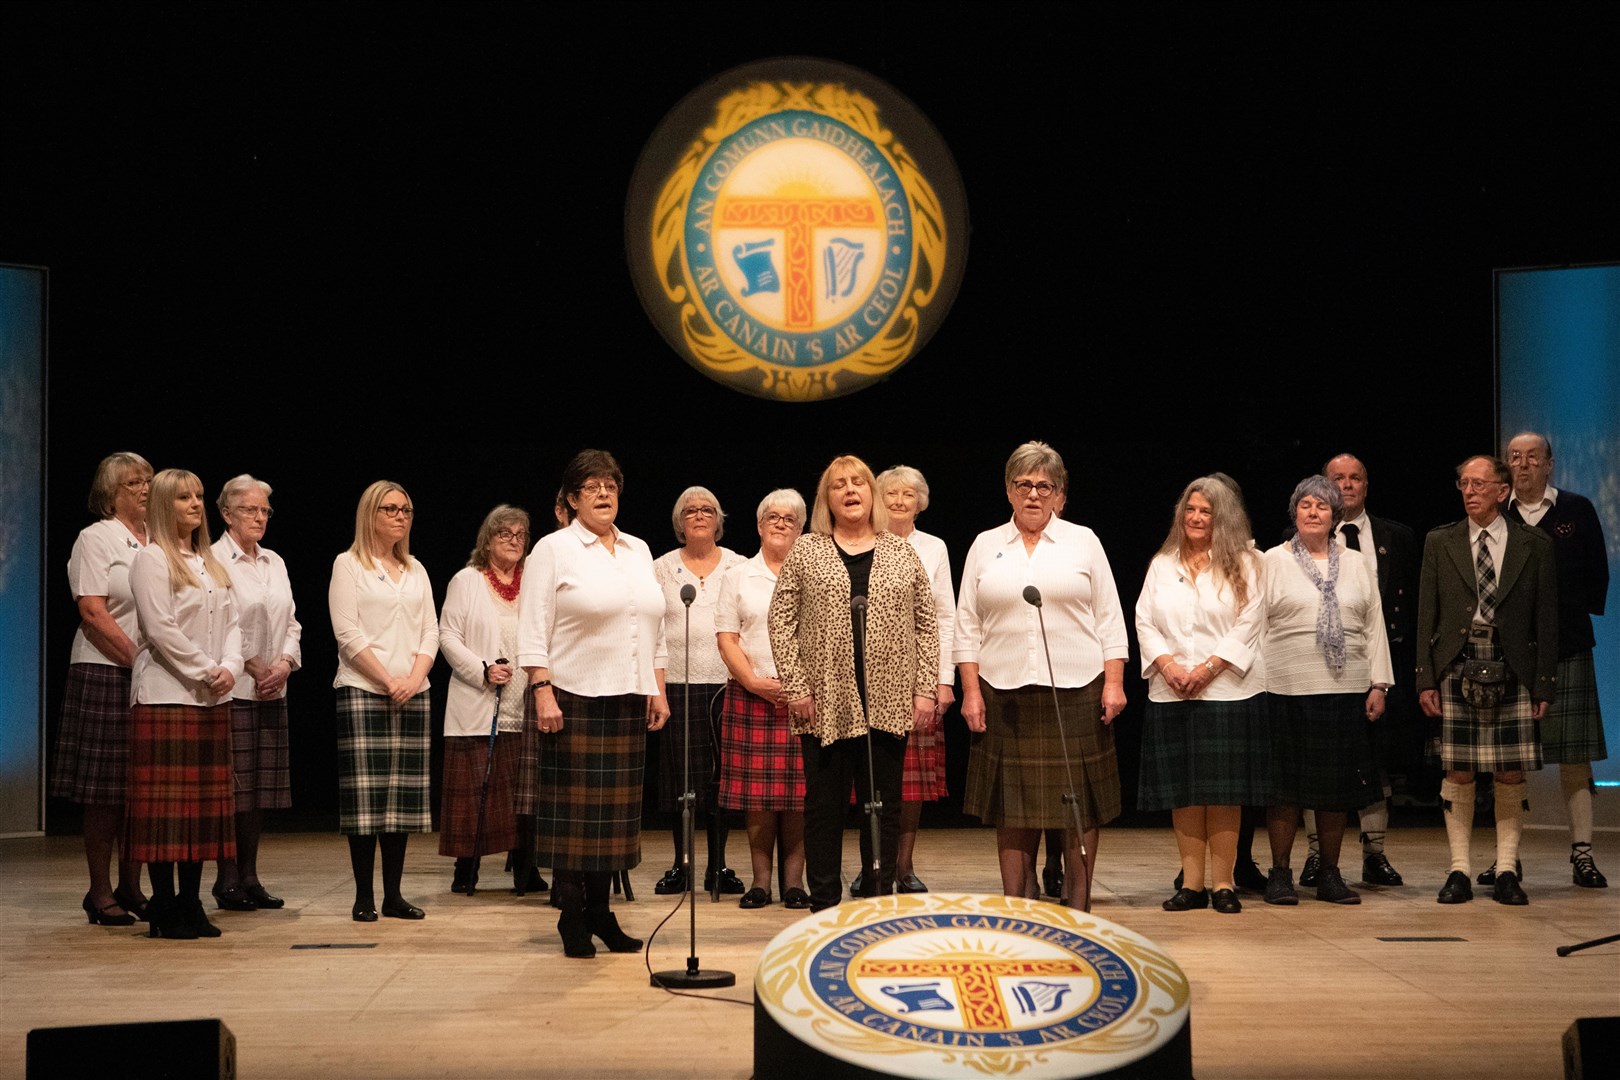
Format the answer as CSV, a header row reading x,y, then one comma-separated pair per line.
x,y
860,577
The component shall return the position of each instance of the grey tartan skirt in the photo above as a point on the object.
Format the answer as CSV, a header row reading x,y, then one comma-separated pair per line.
x,y
1572,730
382,764
1016,775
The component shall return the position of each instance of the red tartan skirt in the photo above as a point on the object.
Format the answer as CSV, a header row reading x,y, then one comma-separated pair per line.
x,y
760,766
464,764
179,805
924,777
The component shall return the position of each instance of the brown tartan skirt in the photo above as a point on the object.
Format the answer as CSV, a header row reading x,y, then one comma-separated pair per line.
x,y
92,745
1016,776
260,756
464,758
588,807
179,806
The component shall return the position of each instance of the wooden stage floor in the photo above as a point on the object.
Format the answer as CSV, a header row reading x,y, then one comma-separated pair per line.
x,y
482,989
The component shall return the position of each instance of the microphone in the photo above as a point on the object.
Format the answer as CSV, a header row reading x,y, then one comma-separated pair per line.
x,y
1032,596
856,603
688,594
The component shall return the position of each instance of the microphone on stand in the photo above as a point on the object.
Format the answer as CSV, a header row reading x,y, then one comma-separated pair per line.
x,y
1032,597
874,808
689,593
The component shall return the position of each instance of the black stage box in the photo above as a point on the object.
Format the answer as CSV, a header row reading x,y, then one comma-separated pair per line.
x,y
171,1049
1588,1043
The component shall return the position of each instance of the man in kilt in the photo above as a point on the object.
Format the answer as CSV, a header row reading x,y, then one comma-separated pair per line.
x,y
1488,647
1572,734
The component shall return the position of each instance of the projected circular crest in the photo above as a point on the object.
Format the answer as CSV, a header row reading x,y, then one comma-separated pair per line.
x,y
796,229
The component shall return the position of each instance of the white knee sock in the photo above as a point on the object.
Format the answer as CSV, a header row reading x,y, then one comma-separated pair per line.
x,y
1374,824
1509,823
1576,782
1312,844
1458,802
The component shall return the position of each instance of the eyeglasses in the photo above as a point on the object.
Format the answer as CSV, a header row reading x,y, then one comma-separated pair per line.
x,y
700,512
773,518
1473,484
393,510
599,487
255,511
1044,489
512,534
136,485
1530,457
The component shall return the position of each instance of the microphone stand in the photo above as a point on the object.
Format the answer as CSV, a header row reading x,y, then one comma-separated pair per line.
x,y
692,978
1032,597
874,808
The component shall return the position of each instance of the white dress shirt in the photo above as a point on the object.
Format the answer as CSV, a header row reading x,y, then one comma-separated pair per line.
x,y
185,632
594,618
1001,633
264,610
1294,662
672,573
99,566
1364,537
473,633
1532,514
394,619
1192,619
937,561
743,609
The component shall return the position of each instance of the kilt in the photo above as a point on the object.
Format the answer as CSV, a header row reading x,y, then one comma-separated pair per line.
x,y
382,764
526,771
1572,730
1205,753
760,764
1016,776
923,776
464,757
672,746
259,755
588,808
1321,752
92,745
179,806
1500,739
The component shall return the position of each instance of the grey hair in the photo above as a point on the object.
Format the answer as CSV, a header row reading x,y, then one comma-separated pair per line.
x,y
783,497
1035,456
697,491
235,486
1320,487
903,476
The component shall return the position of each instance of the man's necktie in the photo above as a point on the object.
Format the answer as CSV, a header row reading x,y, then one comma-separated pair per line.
x,y
1352,536
1485,573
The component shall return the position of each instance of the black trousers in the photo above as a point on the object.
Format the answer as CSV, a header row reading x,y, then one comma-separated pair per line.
x,y
829,773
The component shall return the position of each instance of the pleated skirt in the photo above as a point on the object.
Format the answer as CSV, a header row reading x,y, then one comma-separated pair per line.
x,y
92,744
179,805
382,764
1016,766
588,806
259,751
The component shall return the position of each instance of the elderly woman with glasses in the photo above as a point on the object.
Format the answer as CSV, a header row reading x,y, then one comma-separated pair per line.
x,y
271,640
1025,756
381,604
1327,668
478,629
591,639
700,562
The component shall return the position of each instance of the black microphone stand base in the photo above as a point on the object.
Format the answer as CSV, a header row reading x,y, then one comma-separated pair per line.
x,y
693,978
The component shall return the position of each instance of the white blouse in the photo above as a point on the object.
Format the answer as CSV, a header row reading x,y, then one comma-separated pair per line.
x,y
99,566
473,631
395,620
999,631
1193,619
264,610
1294,663
594,618
743,609
672,573
937,561
184,633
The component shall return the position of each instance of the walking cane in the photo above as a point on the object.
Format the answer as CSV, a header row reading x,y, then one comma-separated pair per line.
x,y
483,797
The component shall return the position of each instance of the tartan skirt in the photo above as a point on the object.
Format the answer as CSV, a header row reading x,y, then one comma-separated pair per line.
x,y
922,778
259,755
92,745
760,764
1016,776
382,764
1499,739
1321,752
464,762
672,745
1572,730
588,808
179,806
1205,753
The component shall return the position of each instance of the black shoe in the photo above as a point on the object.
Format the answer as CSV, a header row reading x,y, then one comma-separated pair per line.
x,y
401,909
1280,887
465,878
167,919
1584,870
1052,881
1181,878
1488,877
605,925
262,899
99,916
535,883
796,899
1225,901
1507,891
1307,873
673,881
1330,887
911,883
857,885
198,919
234,898
730,883
364,912
1375,870
576,935
129,903
1456,890
1249,877
754,898
1188,900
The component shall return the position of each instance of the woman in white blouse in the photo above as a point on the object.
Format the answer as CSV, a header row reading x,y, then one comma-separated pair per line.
x,y
478,629
92,744
1205,751
700,562
381,604
1327,668
905,492
1018,767
270,653
591,638
760,770
180,810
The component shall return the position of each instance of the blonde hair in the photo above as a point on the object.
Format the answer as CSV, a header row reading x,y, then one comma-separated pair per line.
x,y
109,474
161,530
365,529
1230,548
821,515
494,521
904,476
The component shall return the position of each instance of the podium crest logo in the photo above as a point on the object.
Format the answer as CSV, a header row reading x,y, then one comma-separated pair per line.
x,y
796,229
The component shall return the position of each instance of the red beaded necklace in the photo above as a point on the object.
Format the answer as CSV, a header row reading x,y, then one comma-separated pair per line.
x,y
504,591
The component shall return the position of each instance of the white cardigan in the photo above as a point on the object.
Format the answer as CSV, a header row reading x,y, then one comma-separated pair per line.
x,y
469,638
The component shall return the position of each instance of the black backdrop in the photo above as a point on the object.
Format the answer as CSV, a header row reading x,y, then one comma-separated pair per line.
x,y
331,243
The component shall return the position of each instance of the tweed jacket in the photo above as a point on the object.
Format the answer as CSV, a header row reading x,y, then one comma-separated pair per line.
x,y
812,637
1583,568
1526,606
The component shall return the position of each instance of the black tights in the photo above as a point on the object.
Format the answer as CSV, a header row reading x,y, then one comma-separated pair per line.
x,y
582,890
362,859
162,875
717,828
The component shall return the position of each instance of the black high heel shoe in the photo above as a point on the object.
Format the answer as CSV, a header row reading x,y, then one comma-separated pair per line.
x,y
605,925
234,898
197,919
129,903
99,917
167,919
